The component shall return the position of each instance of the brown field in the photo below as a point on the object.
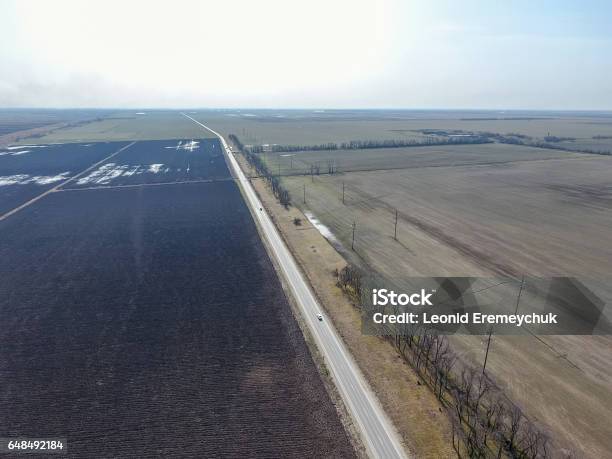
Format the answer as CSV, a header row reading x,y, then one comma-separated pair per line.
x,y
414,410
475,210
542,217
125,125
381,159
519,217
304,128
313,127
590,144
472,210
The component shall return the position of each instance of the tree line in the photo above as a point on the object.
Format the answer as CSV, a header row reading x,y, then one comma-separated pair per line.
x,y
549,142
485,423
369,144
280,192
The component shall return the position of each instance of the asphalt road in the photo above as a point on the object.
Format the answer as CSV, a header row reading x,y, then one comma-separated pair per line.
x,y
378,434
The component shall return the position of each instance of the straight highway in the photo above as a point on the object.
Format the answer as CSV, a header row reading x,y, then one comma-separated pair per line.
x,y
378,433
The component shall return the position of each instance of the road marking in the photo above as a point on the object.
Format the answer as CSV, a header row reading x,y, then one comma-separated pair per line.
x,y
378,433
57,187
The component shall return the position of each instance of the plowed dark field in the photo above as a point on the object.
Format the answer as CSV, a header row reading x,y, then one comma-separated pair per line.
x,y
28,171
159,162
149,321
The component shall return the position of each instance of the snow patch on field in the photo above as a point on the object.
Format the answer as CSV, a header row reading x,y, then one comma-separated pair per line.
x,y
110,171
189,146
324,230
25,179
13,179
19,147
133,170
16,150
46,180
155,168
14,153
103,175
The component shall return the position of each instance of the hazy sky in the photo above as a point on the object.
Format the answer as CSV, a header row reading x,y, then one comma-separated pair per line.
x,y
313,53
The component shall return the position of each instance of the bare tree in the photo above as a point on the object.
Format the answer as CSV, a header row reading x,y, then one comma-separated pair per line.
x,y
445,366
515,421
493,415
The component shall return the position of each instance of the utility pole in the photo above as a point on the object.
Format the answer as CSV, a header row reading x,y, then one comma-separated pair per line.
x,y
487,353
353,241
395,230
518,298
342,192
304,193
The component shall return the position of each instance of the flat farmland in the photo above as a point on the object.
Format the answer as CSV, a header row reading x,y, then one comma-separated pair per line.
x,y
557,124
510,218
159,161
409,157
15,120
29,170
126,126
544,217
304,127
149,321
594,144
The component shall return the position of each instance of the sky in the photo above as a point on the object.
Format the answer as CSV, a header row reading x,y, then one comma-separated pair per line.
x,y
489,54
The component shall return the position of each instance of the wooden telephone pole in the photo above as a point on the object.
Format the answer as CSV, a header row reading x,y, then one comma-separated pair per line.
x,y
353,241
484,365
395,230
518,298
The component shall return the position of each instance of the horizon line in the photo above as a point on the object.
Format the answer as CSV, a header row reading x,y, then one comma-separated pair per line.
x,y
436,109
